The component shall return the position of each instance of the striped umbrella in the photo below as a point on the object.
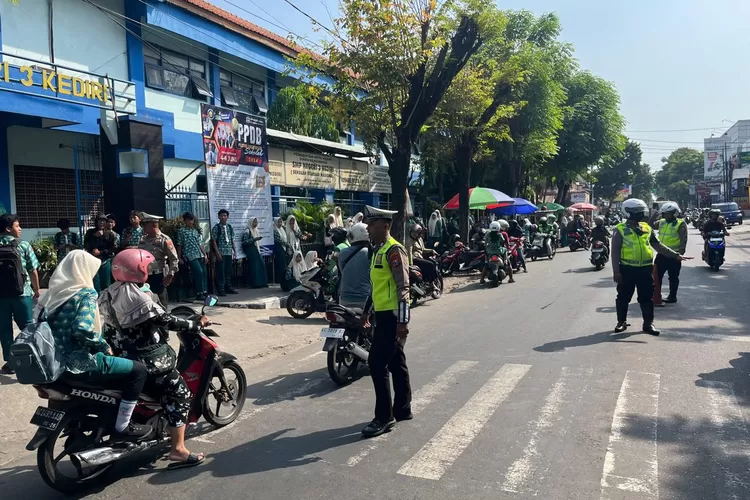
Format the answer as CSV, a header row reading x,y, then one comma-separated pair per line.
x,y
480,198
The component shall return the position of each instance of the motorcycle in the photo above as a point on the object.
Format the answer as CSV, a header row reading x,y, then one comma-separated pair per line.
x,y
517,245
599,256
541,246
347,343
422,289
714,255
576,241
82,414
312,294
496,270
461,260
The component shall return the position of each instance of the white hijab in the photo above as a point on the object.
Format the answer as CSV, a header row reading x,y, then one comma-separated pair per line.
x,y
280,229
358,218
74,273
432,223
339,218
298,267
349,223
291,236
254,231
130,306
331,220
310,259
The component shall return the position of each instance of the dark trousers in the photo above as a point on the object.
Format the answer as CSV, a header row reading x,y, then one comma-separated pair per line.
x,y
224,273
18,309
642,279
672,266
387,355
428,268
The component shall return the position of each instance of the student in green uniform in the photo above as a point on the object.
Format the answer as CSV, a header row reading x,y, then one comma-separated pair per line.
x,y
65,240
255,267
191,253
222,242
111,222
131,236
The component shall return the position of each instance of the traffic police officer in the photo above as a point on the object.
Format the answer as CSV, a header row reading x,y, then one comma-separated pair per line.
x,y
633,243
162,270
389,274
673,233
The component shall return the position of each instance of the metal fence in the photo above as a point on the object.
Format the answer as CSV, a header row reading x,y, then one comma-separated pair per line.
x,y
287,203
180,200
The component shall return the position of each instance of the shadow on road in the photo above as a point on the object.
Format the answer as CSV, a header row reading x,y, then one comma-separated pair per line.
x,y
588,340
288,320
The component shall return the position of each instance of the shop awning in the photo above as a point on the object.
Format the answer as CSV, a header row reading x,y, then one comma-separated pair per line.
x,y
290,139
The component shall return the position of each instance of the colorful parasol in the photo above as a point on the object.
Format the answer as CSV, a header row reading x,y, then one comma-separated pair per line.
x,y
551,207
520,206
584,206
480,198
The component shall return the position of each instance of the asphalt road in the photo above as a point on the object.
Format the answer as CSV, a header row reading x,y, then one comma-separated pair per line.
x,y
520,392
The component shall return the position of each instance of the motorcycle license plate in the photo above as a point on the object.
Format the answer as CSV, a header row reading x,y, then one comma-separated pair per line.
x,y
597,250
716,240
332,333
47,418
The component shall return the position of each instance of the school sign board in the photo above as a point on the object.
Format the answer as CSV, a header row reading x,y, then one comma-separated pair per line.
x,y
235,147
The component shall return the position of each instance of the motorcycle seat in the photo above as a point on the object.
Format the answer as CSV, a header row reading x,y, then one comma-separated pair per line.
x,y
79,382
473,254
350,311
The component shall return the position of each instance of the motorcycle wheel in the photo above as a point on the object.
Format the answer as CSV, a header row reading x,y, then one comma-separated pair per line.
x,y
495,282
438,287
299,305
573,248
599,266
49,461
447,271
552,255
230,396
533,258
342,367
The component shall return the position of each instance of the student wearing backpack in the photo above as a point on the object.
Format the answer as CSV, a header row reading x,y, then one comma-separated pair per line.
x,y
19,282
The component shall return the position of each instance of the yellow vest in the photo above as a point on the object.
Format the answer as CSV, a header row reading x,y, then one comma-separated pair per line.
x,y
636,249
669,234
384,291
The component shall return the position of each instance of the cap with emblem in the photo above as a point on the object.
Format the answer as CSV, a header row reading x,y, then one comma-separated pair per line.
x,y
150,218
372,214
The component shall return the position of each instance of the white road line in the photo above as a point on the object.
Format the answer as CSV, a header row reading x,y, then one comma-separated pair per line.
x,y
517,476
726,416
250,409
631,464
422,399
435,457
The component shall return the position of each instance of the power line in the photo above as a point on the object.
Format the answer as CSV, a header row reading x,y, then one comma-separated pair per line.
x,y
316,22
674,130
665,142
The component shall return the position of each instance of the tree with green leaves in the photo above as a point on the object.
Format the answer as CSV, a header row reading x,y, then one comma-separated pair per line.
x,y
391,63
624,167
592,130
298,110
676,174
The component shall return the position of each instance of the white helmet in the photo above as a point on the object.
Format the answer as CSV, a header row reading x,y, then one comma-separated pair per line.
x,y
633,206
504,225
495,226
543,220
670,207
358,232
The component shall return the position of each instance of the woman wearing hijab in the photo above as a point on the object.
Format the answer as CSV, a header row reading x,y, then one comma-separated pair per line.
x,y
338,216
312,260
358,218
137,327
435,229
280,248
256,268
70,306
328,226
294,272
294,235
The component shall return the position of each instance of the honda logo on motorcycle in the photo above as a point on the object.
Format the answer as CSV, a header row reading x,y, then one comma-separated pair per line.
x,y
102,398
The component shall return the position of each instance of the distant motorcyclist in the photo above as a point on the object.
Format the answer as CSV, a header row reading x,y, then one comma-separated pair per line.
x,y
713,224
515,231
601,233
417,253
555,229
497,244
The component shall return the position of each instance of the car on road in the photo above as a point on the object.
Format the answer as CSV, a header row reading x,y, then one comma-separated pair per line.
x,y
730,211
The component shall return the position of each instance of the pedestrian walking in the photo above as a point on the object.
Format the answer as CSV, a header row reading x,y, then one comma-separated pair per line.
x,y
633,245
190,251
222,242
673,233
101,243
19,283
162,271
389,300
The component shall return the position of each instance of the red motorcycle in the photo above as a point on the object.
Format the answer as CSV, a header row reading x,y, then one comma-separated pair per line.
x,y
461,259
516,246
72,441
576,240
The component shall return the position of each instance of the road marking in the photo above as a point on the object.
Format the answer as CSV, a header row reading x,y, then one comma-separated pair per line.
x,y
631,464
422,399
519,473
726,416
251,409
435,457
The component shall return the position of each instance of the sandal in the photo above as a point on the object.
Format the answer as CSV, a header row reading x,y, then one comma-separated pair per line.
x,y
191,461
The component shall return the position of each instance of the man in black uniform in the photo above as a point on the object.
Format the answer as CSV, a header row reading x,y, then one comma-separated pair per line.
x,y
389,274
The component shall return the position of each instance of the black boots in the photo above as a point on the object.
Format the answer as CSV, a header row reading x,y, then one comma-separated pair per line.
x,y
649,328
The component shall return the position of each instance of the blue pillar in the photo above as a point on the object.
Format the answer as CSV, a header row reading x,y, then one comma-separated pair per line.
x,y
275,194
322,195
372,199
136,11
271,86
4,169
214,77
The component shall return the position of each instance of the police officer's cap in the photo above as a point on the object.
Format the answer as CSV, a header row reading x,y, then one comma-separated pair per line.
x,y
151,218
373,214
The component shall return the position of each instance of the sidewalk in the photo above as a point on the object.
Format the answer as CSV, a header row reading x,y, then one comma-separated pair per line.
x,y
254,298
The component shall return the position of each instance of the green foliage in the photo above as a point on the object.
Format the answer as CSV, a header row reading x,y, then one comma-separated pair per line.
x,y
624,167
46,254
298,110
311,218
675,176
171,226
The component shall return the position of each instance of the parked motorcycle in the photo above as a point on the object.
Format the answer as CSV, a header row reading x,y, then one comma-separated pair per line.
x,y
542,246
496,270
714,255
73,443
421,289
347,343
312,294
460,259
599,255
576,241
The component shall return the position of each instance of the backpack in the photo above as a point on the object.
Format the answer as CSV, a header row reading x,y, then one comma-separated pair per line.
x,y
12,275
34,355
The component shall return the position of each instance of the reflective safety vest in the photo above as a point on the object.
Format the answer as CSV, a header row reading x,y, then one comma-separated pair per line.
x,y
669,233
636,249
384,290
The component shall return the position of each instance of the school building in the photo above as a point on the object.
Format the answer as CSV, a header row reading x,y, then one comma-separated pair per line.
x,y
100,111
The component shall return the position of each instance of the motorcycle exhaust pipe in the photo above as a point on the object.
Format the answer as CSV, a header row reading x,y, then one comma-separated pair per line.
x,y
358,351
106,455
418,290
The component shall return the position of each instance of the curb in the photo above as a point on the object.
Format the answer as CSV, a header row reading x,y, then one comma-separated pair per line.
x,y
269,303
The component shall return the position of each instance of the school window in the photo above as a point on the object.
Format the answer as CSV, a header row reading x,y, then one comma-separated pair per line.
x,y
242,94
176,73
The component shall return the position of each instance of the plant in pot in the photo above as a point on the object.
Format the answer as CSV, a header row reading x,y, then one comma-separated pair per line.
x,y
47,256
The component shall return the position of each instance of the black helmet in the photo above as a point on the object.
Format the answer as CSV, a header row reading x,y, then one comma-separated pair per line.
x,y
338,235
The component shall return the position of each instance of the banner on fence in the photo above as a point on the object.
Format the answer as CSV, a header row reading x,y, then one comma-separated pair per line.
x,y
237,171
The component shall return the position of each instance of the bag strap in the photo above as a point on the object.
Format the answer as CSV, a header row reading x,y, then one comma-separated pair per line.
x,y
344,263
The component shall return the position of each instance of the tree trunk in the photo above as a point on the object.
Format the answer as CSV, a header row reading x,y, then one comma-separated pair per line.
x,y
441,188
398,170
464,155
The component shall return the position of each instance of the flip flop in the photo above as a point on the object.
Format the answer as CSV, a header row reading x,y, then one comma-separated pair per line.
x,y
192,461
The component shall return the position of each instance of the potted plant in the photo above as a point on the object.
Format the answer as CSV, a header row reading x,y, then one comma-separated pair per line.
x,y
47,256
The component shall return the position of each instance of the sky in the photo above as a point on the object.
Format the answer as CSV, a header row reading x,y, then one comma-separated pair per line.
x,y
677,64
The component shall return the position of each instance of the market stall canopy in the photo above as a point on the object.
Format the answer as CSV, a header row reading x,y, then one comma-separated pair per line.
x,y
584,206
551,207
480,198
520,206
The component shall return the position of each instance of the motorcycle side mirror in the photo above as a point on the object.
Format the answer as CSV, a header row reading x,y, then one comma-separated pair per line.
x,y
211,300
